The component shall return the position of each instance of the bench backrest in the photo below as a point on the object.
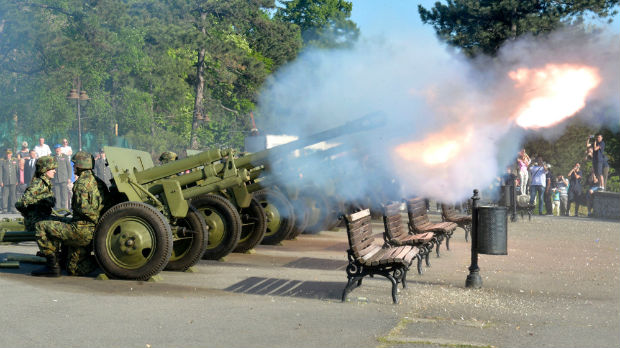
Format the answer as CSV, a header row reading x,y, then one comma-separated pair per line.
x,y
416,210
359,232
393,222
447,211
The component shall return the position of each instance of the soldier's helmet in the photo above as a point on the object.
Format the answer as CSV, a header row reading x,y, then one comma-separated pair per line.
x,y
82,160
45,163
168,156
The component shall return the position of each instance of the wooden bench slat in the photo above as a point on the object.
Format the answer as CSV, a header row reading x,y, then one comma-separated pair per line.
x,y
411,254
370,252
362,249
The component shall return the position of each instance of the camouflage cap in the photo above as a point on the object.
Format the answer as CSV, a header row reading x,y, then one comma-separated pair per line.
x,y
45,163
82,160
167,157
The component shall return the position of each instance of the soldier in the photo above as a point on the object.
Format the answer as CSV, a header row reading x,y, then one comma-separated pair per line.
x,y
167,157
9,182
62,179
77,233
38,200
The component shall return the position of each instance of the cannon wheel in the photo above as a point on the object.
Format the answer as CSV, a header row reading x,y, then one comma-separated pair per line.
x,y
302,216
280,215
318,208
190,243
337,208
253,228
133,240
224,225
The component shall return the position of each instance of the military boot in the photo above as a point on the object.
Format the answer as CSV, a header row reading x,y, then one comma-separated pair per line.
x,y
51,268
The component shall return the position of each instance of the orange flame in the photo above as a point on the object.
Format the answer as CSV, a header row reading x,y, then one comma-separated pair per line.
x,y
436,149
558,92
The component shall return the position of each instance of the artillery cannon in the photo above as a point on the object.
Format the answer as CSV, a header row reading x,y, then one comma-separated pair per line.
x,y
169,216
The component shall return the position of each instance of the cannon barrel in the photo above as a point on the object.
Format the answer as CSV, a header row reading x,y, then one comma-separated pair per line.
x,y
191,162
17,236
259,158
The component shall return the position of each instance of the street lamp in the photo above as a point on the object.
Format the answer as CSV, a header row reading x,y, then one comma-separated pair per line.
x,y
78,95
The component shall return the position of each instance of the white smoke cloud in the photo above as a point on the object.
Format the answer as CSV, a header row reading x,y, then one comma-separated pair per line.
x,y
422,89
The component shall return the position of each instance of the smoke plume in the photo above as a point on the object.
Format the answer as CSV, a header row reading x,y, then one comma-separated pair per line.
x,y
430,95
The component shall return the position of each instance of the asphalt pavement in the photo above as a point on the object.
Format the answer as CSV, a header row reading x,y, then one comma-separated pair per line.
x,y
559,286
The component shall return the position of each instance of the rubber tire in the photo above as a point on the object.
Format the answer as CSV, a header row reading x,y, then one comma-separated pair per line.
x,y
302,216
320,201
189,255
253,226
230,218
157,259
285,209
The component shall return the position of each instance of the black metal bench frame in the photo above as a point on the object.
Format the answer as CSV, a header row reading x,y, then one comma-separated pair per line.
x,y
368,259
398,235
463,221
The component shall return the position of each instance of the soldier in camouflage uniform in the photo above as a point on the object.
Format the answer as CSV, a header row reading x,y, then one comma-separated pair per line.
x,y
77,233
167,157
38,200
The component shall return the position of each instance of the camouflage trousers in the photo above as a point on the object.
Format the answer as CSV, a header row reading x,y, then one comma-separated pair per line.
x,y
75,236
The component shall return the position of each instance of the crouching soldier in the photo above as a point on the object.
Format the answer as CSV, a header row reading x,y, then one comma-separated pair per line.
x,y
77,233
167,157
38,200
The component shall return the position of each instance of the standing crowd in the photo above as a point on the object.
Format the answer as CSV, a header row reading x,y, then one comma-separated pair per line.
x,y
17,172
558,192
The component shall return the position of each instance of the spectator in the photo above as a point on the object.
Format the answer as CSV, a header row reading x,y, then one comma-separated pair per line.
x,y
593,186
598,159
538,184
574,188
9,182
523,161
61,179
556,201
550,184
42,149
24,152
21,178
29,167
562,189
102,171
65,148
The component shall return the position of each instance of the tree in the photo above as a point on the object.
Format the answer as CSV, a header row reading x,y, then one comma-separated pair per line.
x,y
138,61
481,27
323,23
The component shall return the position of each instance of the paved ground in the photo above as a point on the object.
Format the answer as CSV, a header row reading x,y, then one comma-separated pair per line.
x,y
559,286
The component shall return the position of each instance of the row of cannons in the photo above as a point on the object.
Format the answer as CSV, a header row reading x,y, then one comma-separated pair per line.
x,y
207,205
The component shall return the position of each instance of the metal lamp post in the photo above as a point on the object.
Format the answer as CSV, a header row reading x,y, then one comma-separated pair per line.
x,y
473,279
79,95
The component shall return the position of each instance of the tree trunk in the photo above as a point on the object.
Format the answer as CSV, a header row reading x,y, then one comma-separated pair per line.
x,y
200,84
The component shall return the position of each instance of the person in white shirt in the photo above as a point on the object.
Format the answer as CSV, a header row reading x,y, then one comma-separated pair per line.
x,y
65,148
42,149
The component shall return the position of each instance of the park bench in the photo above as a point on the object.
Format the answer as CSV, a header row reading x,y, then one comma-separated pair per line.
x,y
461,220
398,235
420,223
367,257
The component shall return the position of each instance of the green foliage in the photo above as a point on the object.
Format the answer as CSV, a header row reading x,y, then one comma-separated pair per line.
x,y
137,61
481,27
323,23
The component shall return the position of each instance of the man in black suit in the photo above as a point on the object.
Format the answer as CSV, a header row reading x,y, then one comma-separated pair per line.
x,y
29,167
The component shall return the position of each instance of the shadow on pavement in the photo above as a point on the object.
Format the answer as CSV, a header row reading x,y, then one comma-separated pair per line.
x,y
316,263
289,288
